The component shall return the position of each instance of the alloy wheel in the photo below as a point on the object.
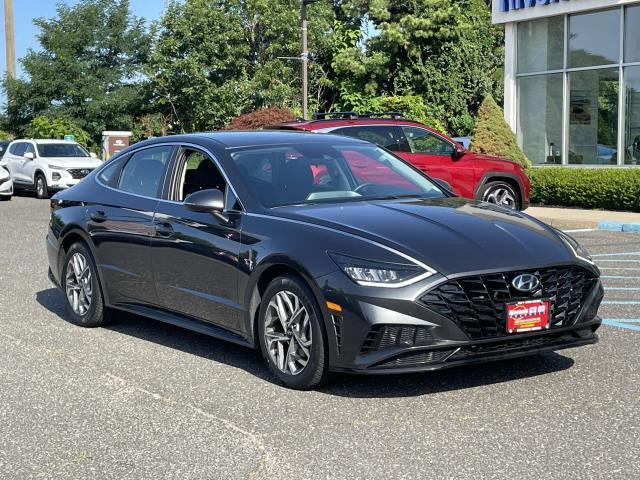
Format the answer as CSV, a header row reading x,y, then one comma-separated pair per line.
x,y
501,196
40,186
78,284
287,329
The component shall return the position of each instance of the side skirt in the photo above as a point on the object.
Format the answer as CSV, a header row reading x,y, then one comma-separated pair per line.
x,y
184,322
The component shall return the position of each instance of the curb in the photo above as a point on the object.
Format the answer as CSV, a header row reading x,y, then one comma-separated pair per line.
x,y
619,226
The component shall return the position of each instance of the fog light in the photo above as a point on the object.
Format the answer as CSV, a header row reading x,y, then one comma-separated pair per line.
x,y
55,176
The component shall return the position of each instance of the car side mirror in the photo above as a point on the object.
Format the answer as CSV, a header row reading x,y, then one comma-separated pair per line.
x,y
458,152
29,156
93,155
207,201
444,185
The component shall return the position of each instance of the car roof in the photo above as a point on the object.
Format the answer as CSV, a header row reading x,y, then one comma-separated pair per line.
x,y
45,140
250,138
312,125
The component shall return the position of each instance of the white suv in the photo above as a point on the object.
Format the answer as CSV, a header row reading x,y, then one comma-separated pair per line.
x,y
46,165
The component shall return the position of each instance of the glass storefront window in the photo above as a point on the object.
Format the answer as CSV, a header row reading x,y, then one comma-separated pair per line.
x,y
632,120
541,45
594,38
593,117
540,118
632,34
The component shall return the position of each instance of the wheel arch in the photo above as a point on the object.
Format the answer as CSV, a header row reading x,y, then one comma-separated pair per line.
x,y
260,280
508,178
71,235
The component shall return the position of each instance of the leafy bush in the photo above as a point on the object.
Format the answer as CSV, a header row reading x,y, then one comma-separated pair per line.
x,y
5,135
493,136
57,128
261,118
607,188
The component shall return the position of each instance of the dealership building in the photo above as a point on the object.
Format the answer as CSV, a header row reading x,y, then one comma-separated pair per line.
x,y
572,80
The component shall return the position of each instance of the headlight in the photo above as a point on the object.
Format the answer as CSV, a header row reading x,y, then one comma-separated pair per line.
x,y
577,249
4,175
380,274
56,167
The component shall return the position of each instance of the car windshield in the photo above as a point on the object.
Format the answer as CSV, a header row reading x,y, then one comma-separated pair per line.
x,y
316,172
61,150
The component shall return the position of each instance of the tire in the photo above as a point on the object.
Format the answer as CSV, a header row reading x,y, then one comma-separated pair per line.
x,y
501,193
42,190
93,314
305,333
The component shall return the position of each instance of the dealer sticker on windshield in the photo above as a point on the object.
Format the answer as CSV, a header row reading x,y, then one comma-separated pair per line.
x,y
527,316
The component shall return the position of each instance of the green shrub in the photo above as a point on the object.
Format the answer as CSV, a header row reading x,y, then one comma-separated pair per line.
x,y
5,135
493,136
56,128
606,188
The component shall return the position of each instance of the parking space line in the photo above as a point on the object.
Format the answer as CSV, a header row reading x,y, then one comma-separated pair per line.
x,y
615,260
580,230
620,276
621,302
618,323
619,268
631,289
619,254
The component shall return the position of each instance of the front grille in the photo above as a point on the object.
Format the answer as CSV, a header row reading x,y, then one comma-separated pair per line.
x,y
79,173
415,359
478,304
387,336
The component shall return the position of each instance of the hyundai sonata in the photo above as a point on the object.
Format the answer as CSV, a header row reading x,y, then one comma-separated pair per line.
x,y
325,252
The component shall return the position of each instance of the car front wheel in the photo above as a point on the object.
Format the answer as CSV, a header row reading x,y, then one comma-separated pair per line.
x,y
291,334
42,191
501,193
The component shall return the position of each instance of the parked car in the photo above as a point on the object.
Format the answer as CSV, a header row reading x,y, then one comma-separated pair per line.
x,y
3,147
47,165
284,242
470,175
6,184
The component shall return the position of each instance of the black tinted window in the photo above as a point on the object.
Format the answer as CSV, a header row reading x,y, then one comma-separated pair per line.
x,y
109,174
200,173
143,172
380,135
423,141
18,149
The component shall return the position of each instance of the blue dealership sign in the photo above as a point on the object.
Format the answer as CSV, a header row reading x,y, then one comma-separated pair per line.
x,y
508,5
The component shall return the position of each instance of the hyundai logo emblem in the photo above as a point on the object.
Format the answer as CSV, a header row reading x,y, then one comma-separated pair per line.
x,y
84,172
526,283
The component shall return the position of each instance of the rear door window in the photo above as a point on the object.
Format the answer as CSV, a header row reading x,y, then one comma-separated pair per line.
x,y
145,170
382,135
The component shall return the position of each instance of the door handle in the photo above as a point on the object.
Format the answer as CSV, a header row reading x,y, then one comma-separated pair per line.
x,y
98,216
164,229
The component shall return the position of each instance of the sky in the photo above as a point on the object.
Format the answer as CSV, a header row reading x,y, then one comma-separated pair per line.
x,y
24,11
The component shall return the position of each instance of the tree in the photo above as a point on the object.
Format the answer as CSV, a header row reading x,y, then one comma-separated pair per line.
x,y
493,136
87,69
445,51
214,59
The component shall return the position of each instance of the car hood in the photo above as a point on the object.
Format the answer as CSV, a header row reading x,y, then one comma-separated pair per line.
x,y
73,162
451,235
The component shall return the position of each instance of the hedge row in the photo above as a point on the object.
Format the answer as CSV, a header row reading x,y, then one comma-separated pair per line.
x,y
606,188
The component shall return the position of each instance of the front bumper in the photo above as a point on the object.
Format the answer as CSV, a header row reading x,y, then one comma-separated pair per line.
x,y
6,187
388,331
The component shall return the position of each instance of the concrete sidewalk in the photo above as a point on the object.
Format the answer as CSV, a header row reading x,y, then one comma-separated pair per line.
x,y
568,218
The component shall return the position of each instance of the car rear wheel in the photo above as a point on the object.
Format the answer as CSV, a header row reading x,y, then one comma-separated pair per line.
x,y
501,193
42,191
292,339
84,301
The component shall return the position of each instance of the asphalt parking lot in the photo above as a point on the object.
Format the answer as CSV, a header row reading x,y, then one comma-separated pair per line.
x,y
141,399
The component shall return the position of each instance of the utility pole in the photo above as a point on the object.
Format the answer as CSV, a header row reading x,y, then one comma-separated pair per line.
x,y
9,38
305,57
